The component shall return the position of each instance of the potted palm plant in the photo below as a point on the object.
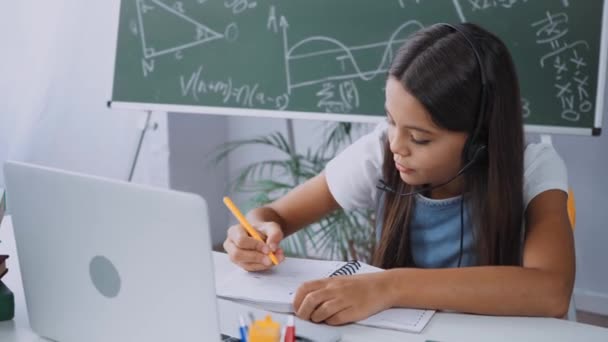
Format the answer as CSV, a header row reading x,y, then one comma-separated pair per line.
x,y
342,235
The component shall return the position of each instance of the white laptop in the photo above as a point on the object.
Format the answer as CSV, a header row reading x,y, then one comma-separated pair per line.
x,y
105,260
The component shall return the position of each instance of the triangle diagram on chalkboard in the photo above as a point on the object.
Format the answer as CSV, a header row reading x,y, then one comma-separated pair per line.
x,y
165,29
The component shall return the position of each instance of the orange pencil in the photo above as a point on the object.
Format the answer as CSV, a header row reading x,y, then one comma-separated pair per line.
x,y
243,221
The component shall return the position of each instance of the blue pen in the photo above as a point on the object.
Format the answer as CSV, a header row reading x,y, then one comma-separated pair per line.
x,y
242,329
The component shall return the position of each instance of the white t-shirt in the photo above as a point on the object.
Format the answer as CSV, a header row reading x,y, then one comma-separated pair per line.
x,y
352,175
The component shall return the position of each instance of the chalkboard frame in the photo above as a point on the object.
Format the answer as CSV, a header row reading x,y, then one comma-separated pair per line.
x,y
600,103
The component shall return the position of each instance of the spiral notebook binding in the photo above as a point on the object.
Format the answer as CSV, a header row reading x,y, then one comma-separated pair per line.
x,y
349,268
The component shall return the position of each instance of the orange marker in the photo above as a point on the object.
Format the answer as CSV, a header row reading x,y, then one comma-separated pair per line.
x,y
243,221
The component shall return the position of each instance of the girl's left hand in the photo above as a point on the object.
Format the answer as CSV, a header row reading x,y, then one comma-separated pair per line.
x,y
342,299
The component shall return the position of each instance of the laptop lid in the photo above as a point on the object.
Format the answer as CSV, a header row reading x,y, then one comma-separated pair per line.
x,y
106,260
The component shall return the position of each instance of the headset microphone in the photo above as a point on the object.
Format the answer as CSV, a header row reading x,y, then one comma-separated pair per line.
x,y
382,185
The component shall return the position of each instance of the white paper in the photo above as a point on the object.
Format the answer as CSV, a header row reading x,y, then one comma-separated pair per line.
x,y
274,290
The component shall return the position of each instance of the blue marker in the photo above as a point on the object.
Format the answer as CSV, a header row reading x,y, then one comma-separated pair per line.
x,y
242,329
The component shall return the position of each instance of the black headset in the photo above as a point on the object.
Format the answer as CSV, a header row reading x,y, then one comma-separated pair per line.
x,y
473,150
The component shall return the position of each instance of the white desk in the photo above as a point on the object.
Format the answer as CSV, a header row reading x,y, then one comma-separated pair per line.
x,y
443,327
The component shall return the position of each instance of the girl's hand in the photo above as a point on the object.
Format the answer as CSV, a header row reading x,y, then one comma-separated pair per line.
x,y
343,299
251,254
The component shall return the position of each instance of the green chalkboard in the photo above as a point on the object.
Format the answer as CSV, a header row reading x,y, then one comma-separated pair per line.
x,y
327,59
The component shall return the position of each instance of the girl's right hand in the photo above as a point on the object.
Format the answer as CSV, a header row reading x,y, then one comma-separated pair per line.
x,y
251,254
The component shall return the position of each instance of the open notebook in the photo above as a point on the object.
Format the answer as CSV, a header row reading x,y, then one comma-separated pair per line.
x,y
274,290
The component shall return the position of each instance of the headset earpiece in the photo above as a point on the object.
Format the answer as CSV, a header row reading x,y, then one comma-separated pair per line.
x,y
476,152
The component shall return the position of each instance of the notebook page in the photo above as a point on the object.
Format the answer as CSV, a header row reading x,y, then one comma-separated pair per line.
x,y
400,319
275,286
275,289
396,318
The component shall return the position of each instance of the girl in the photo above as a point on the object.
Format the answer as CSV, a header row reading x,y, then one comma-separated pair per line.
x,y
468,218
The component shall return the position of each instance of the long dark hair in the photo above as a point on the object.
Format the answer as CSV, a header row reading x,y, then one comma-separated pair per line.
x,y
438,66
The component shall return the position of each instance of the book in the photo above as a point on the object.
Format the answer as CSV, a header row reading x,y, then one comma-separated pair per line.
x,y
3,268
274,290
7,299
2,204
7,303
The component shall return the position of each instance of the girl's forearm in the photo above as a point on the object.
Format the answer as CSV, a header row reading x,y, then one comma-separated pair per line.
x,y
490,290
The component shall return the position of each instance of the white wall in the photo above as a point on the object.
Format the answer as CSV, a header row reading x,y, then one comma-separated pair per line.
x,y
192,140
587,161
57,69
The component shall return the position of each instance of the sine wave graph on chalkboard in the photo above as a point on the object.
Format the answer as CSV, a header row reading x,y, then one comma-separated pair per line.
x,y
326,50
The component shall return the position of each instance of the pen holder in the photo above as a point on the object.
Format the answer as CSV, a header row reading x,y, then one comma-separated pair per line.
x,y
7,303
265,330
